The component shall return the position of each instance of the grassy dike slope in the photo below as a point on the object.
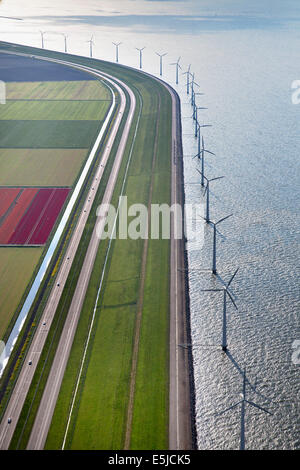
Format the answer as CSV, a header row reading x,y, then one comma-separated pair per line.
x,y
133,309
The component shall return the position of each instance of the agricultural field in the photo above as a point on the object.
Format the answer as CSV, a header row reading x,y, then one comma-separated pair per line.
x,y
40,167
14,280
29,214
50,121
85,90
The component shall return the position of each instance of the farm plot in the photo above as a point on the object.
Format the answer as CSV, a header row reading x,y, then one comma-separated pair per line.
x,y
30,217
53,110
14,280
40,167
62,90
48,134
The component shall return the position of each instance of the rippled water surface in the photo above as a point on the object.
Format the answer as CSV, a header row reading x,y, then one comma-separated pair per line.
x,y
245,61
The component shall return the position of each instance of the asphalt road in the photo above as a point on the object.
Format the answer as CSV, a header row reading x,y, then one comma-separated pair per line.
x,y
180,412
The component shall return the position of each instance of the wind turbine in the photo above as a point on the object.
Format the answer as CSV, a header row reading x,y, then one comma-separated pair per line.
x,y
196,119
202,152
42,36
243,403
214,262
140,50
188,74
91,45
160,61
193,98
177,68
117,44
207,192
225,293
65,39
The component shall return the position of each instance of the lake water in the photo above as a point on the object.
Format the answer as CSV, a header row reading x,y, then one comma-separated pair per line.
x,y
245,60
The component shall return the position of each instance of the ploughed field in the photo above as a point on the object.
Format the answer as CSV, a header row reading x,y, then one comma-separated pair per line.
x,y
48,124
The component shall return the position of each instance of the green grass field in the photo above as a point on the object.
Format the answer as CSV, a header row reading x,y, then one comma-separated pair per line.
x,y
13,280
54,110
48,134
75,90
40,167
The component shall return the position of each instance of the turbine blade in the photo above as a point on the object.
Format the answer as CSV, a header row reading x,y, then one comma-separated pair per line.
x,y
218,178
232,277
224,218
211,290
231,298
257,406
230,408
207,151
201,174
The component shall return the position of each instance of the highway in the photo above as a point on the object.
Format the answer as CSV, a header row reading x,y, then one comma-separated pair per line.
x,y
180,413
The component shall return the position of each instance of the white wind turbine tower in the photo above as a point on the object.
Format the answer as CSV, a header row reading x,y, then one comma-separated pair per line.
x,y
196,119
91,45
140,51
117,44
193,98
214,224
225,293
207,192
202,153
178,66
160,62
243,402
188,75
42,37
65,41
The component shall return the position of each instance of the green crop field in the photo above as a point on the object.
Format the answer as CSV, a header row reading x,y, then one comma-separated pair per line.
x,y
54,110
13,280
48,134
63,90
40,167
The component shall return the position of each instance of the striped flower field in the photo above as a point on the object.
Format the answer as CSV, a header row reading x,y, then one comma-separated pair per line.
x,y
27,215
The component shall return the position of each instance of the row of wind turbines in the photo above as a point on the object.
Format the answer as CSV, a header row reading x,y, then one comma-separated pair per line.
x,y
205,183
117,45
